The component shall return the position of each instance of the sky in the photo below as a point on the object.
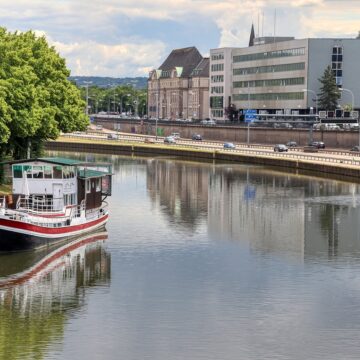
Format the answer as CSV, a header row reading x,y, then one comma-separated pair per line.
x,y
121,38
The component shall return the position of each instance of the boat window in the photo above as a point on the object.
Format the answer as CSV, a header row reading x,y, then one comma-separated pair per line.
x,y
17,171
88,186
28,169
98,184
66,172
47,172
38,172
57,172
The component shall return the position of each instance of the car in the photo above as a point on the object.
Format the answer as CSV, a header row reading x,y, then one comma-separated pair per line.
x,y
113,136
197,137
99,127
169,140
355,148
175,135
149,140
204,122
280,148
291,144
317,144
211,122
229,145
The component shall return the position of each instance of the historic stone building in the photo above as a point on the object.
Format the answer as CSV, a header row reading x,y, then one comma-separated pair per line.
x,y
179,88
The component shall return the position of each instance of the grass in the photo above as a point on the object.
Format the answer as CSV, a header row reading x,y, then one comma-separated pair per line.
x,y
5,189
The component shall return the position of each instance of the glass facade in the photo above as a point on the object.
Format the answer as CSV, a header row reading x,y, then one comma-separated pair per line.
x,y
269,55
216,102
272,82
269,69
270,96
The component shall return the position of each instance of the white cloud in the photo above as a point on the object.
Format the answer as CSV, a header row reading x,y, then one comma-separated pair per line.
x,y
94,36
124,59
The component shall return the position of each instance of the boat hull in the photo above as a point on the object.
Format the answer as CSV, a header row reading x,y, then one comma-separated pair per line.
x,y
17,235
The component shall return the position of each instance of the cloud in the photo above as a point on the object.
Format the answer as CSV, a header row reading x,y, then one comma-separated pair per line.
x,y
119,60
121,37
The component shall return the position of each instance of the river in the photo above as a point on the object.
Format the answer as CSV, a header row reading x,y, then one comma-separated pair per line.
x,y
199,261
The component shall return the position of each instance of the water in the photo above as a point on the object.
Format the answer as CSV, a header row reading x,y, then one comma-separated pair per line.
x,y
199,261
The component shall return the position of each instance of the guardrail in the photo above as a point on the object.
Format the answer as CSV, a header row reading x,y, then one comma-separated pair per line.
x,y
294,153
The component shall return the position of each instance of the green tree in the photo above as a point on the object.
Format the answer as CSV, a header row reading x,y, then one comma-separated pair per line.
x,y
329,92
36,99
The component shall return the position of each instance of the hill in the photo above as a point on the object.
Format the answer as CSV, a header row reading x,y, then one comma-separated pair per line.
x,y
137,82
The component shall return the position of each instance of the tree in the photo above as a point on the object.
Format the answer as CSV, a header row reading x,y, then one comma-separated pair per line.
x,y
36,99
329,92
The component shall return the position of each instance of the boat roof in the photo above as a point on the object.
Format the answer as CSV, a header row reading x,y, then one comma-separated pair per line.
x,y
89,173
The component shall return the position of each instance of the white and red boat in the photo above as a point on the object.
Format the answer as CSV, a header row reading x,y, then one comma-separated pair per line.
x,y
53,199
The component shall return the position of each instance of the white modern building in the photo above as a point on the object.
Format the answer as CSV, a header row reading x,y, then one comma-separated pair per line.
x,y
280,75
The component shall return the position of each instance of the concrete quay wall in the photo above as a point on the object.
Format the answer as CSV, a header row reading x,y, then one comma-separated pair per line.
x,y
340,170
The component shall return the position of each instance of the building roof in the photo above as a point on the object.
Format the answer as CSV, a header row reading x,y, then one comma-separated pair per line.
x,y
186,58
51,160
202,69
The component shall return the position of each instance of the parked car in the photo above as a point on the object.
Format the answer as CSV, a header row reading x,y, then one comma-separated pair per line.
x,y
229,145
99,127
169,140
355,148
112,136
149,140
280,148
211,122
318,144
291,144
197,137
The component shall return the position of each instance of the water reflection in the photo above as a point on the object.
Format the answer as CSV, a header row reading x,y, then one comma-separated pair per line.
x,y
264,208
38,290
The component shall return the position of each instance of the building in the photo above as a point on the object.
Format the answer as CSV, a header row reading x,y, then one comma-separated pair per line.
x,y
277,75
179,88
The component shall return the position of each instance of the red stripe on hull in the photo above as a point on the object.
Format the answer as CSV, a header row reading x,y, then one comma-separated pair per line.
x,y
42,230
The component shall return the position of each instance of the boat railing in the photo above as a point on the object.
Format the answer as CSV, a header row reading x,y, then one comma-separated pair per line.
x,y
40,204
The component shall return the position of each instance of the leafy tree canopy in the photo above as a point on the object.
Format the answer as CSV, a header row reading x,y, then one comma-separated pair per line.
x,y
329,92
36,99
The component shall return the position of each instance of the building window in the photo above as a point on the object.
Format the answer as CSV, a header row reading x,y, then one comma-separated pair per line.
x,y
269,55
269,69
217,67
271,82
217,78
217,113
270,96
216,102
217,89
219,56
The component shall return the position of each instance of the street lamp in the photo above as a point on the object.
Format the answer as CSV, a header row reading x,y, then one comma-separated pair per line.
x,y
352,96
87,83
316,99
121,102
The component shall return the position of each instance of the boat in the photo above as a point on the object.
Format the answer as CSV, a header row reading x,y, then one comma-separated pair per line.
x,y
53,199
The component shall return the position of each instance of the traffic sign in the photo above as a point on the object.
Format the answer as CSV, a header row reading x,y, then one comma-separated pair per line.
x,y
250,115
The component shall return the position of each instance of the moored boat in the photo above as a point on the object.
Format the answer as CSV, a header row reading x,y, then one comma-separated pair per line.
x,y
53,199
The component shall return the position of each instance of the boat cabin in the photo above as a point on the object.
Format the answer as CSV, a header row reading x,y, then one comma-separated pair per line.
x,y
58,183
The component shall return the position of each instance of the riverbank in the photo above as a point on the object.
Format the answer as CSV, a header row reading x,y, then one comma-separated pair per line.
x,y
306,163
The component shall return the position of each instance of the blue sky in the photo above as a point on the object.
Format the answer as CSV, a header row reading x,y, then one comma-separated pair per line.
x,y
128,38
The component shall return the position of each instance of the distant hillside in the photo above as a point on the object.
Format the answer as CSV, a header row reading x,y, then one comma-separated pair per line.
x,y
137,82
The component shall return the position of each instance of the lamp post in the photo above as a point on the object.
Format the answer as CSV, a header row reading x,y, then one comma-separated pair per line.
x,y
316,99
121,102
352,96
353,105
87,83
115,100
